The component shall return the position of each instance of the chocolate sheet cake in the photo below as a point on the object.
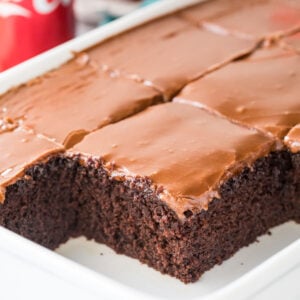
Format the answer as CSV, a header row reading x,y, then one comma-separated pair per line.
x,y
168,53
260,91
92,148
63,93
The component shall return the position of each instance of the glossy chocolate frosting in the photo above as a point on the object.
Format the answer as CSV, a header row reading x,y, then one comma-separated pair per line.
x,y
21,148
75,99
167,53
261,91
185,150
292,139
292,42
250,19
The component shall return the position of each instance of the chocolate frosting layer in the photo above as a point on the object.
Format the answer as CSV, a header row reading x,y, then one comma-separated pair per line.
x,y
167,53
21,148
292,139
253,19
292,42
186,150
75,99
262,91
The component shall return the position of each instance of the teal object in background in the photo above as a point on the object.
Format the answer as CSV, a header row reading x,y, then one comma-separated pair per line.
x,y
107,17
147,2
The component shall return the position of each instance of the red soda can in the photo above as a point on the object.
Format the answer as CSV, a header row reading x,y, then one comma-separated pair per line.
x,y
29,27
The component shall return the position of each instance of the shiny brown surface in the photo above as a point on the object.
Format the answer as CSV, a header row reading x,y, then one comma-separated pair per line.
x,y
184,149
167,53
249,19
262,91
292,139
21,148
293,42
77,98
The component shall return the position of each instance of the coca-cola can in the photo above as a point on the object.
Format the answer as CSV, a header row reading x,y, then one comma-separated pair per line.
x,y
29,27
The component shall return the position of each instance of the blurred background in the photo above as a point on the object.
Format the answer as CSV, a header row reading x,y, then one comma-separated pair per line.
x,y
92,13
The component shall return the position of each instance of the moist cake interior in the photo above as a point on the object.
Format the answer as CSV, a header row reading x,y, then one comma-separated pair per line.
x,y
72,200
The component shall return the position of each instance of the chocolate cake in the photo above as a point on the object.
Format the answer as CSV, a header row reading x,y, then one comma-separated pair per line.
x,y
109,100
92,148
275,75
168,53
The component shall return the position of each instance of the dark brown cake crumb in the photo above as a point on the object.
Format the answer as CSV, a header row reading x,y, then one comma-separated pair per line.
x,y
62,199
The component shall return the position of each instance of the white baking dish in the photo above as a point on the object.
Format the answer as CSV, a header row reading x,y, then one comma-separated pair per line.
x,y
270,266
